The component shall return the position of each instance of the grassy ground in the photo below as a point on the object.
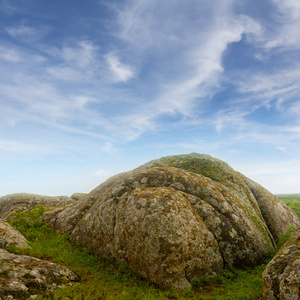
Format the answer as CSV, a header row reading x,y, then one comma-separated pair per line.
x,y
293,201
103,278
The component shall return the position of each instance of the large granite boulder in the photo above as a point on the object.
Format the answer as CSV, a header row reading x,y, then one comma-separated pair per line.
x,y
242,236
9,236
66,219
281,278
142,218
278,216
22,277
163,239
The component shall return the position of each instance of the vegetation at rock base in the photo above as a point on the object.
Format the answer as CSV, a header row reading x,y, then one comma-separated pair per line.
x,y
291,200
103,278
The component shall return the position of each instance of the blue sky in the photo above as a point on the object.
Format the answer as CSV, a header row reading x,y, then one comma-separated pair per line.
x,y
92,88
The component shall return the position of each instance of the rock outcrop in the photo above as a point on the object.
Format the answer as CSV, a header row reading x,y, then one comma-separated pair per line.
x,y
281,278
9,236
65,220
78,196
278,216
162,216
174,219
241,240
22,277
25,202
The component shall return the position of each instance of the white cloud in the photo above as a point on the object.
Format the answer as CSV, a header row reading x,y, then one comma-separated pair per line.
x,y
9,55
81,101
286,34
27,33
273,89
229,118
65,73
120,72
192,72
82,54
22,148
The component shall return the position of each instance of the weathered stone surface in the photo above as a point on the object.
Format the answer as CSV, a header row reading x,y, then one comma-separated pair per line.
x,y
26,202
78,196
22,276
242,236
281,278
177,218
9,236
157,232
278,216
274,212
66,219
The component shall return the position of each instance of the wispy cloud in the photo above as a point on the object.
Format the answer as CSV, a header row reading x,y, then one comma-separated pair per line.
x,y
274,88
10,55
26,33
192,74
7,7
184,80
288,17
120,71
23,148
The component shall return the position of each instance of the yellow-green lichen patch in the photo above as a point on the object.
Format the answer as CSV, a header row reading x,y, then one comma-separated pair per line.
x,y
23,276
282,275
233,233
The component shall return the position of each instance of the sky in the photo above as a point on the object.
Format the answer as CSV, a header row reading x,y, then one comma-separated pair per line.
x,y
89,89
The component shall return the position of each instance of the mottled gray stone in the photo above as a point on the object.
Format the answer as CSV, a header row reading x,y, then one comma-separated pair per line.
x,y
281,278
22,276
9,236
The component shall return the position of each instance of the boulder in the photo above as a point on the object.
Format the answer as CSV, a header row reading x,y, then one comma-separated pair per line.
x,y
66,219
9,236
164,240
281,278
23,276
177,218
278,216
78,196
142,218
242,236
25,202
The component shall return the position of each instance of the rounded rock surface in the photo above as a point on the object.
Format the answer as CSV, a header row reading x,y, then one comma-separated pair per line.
x,y
9,236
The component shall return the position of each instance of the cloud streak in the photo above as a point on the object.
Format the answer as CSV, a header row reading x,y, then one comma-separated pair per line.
x,y
120,71
210,73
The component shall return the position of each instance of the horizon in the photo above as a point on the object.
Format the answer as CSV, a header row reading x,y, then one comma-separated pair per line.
x,y
90,90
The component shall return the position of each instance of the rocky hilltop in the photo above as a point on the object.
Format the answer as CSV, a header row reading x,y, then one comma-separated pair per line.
x,y
172,220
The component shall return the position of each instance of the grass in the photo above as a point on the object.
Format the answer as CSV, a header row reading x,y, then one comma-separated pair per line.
x,y
103,278
293,201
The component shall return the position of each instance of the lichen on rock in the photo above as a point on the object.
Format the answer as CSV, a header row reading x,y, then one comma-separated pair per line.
x,y
9,236
281,278
132,214
22,276
175,219
24,202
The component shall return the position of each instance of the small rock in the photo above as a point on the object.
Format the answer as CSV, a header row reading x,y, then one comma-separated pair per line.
x,y
281,278
23,276
9,236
